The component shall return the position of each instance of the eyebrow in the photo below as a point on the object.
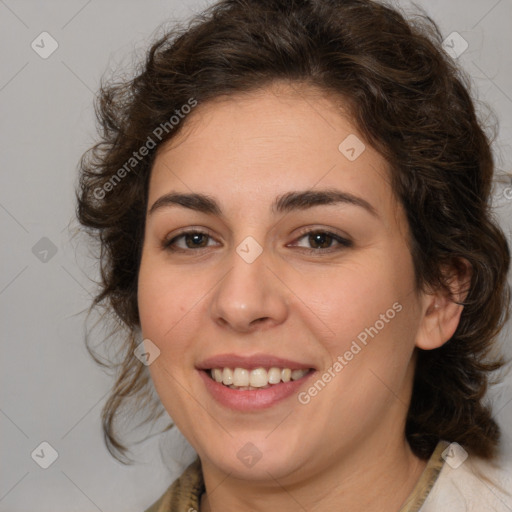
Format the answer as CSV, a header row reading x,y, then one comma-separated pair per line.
x,y
298,200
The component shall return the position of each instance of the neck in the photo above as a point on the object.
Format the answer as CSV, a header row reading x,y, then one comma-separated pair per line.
x,y
368,478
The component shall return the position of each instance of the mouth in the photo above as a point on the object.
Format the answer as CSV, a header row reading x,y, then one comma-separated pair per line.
x,y
244,379
251,383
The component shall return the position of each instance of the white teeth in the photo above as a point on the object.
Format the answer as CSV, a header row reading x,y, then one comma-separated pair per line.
x,y
274,376
298,374
258,378
243,379
227,376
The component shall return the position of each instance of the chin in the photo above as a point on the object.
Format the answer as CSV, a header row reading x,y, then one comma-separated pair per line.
x,y
252,457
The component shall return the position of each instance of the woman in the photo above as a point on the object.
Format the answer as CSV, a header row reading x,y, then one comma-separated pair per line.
x,y
292,201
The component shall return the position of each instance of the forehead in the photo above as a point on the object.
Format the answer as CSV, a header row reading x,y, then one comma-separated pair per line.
x,y
249,148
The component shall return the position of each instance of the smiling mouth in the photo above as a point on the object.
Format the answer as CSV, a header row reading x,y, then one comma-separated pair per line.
x,y
243,379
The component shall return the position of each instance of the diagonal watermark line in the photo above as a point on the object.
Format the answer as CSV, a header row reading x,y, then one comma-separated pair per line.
x,y
394,394
14,218
18,482
386,176
76,280
78,77
194,398
81,491
487,14
508,505
197,302
13,279
13,77
309,189
13,13
502,407
328,328
492,81
311,106
174,174
285,490
212,490
279,424
333,359
318,112
75,15
80,420
14,423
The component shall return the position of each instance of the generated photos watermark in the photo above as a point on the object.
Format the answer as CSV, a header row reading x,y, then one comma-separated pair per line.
x,y
357,345
151,142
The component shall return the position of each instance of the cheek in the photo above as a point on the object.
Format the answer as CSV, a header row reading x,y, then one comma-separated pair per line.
x,y
350,299
373,318
166,302
164,297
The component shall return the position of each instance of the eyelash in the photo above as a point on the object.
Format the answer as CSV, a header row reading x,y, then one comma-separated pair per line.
x,y
169,245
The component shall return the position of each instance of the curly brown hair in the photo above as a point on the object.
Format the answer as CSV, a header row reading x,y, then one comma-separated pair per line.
x,y
409,101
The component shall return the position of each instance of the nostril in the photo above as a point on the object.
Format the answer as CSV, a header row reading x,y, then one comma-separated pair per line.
x,y
259,320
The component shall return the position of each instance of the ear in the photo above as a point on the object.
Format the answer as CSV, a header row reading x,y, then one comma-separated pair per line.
x,y
441,308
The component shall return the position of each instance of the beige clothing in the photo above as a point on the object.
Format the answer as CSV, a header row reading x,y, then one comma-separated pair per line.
x,y
439,489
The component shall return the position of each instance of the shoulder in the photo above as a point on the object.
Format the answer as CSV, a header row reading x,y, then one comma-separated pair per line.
x,y
474,485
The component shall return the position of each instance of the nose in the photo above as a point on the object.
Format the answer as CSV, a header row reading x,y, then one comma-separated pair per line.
x,y
249,297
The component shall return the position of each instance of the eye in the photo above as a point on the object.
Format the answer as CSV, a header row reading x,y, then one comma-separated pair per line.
x,y
314,241
192,239
322,241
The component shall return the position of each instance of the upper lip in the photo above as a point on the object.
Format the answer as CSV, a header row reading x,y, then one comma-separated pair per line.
x,y
249,362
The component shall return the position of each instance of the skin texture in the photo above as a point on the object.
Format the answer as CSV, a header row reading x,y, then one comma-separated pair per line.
x,y
346,448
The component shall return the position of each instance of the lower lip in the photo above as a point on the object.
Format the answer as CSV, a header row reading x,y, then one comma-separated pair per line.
x,y
251,400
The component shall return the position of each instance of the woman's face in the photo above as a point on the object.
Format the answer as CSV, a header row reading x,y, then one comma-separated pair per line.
x,y
299,261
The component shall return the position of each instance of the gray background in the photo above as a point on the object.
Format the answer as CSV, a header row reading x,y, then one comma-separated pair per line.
x,y
50,389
